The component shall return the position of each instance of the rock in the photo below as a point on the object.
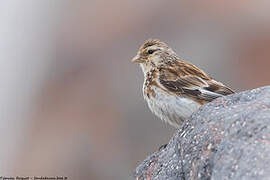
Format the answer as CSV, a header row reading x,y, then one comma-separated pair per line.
x,y
228,138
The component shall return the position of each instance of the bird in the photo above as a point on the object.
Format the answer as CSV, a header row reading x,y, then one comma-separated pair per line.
x,y
174,88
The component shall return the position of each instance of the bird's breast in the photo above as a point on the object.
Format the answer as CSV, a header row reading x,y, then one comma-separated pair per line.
x,y
170,108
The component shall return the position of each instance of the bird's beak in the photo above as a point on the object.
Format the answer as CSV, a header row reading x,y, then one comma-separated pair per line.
x,y
136,59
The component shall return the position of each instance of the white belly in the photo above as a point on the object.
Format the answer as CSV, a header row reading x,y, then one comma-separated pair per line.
x,y
171,109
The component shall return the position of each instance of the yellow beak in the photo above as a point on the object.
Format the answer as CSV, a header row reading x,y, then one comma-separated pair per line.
x,y
136,59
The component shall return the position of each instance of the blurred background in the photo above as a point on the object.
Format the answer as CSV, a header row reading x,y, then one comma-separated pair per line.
x,y
70,99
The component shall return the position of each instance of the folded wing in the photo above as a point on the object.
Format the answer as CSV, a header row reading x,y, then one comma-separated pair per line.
x,y
187,80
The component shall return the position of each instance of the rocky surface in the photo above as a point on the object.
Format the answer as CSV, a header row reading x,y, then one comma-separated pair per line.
x,y
228,138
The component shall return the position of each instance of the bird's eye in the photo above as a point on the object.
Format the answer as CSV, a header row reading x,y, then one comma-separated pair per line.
x,y
151,51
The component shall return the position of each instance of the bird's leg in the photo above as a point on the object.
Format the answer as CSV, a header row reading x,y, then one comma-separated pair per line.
x,y
162,147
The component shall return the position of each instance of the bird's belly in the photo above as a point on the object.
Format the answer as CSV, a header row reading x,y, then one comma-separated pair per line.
x,y
171,109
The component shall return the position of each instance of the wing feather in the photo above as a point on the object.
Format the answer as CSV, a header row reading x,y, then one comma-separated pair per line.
x,y
186,79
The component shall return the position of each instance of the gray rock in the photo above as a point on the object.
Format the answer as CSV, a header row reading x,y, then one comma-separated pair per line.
x,y
228,138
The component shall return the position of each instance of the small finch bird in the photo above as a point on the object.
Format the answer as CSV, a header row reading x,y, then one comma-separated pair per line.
x,y
174,88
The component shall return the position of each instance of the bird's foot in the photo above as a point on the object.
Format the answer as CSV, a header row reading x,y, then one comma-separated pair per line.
x,y
162,147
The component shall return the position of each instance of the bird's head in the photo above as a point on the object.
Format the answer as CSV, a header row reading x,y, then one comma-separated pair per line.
x,y
154,53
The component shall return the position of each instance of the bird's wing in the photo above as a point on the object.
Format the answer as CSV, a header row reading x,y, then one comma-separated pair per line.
x,y
186,79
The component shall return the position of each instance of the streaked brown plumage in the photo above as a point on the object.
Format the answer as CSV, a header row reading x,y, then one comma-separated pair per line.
x,y
174,88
